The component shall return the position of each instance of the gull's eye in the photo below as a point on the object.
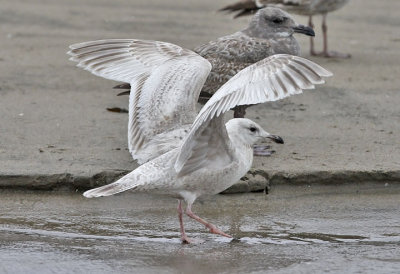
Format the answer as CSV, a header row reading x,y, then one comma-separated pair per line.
x,y
278,20
253,129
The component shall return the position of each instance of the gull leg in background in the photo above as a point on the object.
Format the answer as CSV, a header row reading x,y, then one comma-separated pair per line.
x,y
327,53
184,238
311,25
211,227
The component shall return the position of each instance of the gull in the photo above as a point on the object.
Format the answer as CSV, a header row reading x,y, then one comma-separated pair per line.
x,y
269,32
301,7
186,154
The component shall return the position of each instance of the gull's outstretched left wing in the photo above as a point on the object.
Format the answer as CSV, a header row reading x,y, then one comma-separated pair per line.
x,y
165,84
271,79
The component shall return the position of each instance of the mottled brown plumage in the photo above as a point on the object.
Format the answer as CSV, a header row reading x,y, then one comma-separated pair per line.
x,y
269,32
301,7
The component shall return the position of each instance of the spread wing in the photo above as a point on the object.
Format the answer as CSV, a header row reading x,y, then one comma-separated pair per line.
x,y
165,84
123,59
270,79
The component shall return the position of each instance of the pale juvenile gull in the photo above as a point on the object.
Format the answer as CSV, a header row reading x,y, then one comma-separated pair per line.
x,y
269,32
187,156
301,7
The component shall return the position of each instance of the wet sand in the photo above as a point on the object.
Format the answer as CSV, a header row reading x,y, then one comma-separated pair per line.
x,y
293,230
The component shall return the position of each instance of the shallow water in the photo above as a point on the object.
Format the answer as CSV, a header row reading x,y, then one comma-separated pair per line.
x,y
292,230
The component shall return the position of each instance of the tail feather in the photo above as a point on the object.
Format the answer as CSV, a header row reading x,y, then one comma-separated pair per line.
x,y
125,183
240,6
244,13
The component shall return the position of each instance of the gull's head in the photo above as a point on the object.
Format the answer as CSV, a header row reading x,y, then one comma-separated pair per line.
x,y
274,23
248,132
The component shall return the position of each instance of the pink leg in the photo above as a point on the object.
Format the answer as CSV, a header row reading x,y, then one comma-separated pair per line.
x,y
327,53
184,238
311,25
211,227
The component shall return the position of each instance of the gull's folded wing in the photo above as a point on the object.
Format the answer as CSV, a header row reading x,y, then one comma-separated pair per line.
x,y
165,79
271,79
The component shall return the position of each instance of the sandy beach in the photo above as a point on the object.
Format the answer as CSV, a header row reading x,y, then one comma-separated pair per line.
x,y
55,130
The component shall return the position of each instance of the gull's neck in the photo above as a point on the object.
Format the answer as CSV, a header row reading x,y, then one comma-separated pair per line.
x,y
285,45
243,150
281,43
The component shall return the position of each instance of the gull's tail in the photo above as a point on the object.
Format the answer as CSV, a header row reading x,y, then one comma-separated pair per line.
x,y
128,182
244,7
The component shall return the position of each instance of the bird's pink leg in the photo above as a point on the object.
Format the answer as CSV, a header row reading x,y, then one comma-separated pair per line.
x,y
326,53
184,238
211,227
311,25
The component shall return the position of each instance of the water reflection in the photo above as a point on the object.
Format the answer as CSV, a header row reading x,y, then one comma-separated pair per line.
x,y
138,233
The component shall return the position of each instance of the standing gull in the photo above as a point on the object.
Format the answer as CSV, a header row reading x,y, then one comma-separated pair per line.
x,y
301,7
269,32
201,155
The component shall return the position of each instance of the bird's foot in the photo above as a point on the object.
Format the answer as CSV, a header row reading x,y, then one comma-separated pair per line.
x,y
332,54
313,53
186,240
213,229
262,150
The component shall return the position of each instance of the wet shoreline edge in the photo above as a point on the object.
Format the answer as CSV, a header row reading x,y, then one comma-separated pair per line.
x,y
256,180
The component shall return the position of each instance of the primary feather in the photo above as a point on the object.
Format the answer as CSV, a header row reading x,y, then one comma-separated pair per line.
x,y
158,115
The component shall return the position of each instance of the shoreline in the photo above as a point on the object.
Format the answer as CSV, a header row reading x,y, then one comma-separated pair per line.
x,y
255,181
